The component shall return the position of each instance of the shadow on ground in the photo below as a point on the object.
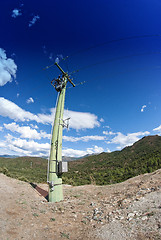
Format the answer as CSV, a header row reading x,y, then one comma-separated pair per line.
x,y
41,191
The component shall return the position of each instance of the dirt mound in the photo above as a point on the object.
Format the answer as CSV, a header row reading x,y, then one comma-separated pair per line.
x,y
128,210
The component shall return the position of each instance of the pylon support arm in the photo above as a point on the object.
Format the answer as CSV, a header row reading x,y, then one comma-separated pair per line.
x,y
65,74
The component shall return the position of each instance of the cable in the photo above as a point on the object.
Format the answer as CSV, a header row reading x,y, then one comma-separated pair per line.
x,y
112,41
114,59
125,72
107,42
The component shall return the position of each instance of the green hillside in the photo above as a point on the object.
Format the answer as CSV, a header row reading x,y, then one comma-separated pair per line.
x,y
105,168
32,169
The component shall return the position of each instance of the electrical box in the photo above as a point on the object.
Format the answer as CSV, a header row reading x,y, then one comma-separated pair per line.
x,y
63,167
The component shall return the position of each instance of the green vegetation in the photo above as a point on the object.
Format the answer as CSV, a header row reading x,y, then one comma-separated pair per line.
x,y
106,168
28,169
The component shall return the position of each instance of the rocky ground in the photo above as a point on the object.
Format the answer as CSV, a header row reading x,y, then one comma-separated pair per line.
x,y
128,210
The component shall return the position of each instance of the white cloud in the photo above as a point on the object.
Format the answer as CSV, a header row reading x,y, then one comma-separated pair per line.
x,y
158,129
69,152
84,138
95,150
26,131
102,120
23,147
45,135
11,110
79,120
30,100
34,20
16,12
1,128
108,150
79,153
34,126
108,133
127,140
143,107
32,146
8,68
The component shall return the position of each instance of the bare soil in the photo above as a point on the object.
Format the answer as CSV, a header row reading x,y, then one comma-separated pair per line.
x,y
128,210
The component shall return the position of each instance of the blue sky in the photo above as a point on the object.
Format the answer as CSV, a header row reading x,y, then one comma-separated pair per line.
x,y
120,101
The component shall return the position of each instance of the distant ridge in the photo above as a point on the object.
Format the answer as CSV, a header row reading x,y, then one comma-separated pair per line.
x,y
64,158
8,156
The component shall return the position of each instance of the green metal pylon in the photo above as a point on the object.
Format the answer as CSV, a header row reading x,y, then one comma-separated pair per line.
x,y
54,175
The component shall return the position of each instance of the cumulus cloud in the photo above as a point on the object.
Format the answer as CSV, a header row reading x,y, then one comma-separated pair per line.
x,y
8,68
23,147
16,12
127,140
81,120
26,131
33,21
1,128
78,120
79,153
158,129
30,100
34,126
84,138
143,107
108,133
29,147
11,110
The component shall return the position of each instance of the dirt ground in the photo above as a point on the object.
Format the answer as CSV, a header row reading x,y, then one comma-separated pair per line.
x,y
128,210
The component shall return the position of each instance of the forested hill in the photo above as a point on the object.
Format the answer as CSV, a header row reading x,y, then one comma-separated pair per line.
x,y
106,168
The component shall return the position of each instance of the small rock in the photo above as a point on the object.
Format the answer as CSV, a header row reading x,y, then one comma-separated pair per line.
x,y
144,218
92,204
95,218
131,215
